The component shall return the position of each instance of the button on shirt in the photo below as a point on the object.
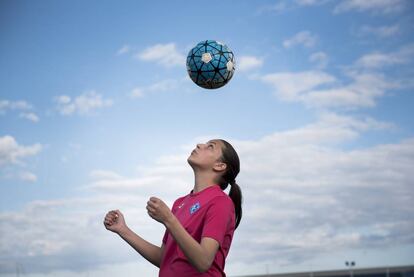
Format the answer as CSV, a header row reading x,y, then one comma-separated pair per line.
x,y
208,213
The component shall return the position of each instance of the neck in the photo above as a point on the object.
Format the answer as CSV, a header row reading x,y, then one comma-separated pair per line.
x,y
203,181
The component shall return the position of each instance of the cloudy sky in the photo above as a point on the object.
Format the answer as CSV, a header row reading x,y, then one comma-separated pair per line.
x,y
97,113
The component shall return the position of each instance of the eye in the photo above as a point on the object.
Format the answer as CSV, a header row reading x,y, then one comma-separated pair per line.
x,y
210,146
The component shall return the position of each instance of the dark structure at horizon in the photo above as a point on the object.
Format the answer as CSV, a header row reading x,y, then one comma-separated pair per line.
x,y
391,271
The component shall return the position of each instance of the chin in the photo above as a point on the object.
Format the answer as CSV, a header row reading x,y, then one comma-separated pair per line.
x,y
191,162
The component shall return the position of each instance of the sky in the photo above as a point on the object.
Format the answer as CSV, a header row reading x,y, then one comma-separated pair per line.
x,y
97,112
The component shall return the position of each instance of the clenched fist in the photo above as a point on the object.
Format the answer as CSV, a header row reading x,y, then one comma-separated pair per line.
x,y
114,221
158,210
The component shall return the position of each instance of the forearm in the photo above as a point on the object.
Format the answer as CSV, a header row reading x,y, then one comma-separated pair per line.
x,y
149,251
192,249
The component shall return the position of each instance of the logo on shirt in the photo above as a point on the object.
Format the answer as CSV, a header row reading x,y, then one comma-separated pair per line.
x,y
195,207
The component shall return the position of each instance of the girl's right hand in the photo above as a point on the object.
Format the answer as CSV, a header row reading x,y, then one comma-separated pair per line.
x,y
114,221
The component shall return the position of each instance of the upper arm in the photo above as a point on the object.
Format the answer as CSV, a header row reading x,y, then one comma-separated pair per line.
x,y
162,248
210,247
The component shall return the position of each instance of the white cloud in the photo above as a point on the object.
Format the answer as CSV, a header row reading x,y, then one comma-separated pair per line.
x,y
82,104
304,38
166,85
304,195
103,174
46,239
6,105
287,5
291,85
321,192
172,170
381,31
377,6
137,93
363,91
123,50
164,54
330,129
322,90
246,63
310,2
122,183
320,59
30,116
28,176
63,99
378,59
22,106
12,153
274,8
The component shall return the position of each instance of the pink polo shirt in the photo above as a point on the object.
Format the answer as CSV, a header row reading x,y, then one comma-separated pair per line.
x,y
208,213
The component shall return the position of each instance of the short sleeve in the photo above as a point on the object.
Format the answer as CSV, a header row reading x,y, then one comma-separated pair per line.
x,y
218,218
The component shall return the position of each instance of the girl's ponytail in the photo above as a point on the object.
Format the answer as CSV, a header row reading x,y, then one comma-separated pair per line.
x,y
237,198
231,159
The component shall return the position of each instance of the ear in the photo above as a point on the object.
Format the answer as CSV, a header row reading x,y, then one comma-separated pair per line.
x,y
219,167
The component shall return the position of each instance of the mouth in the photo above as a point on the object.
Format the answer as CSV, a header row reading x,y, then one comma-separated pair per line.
x,y
193,152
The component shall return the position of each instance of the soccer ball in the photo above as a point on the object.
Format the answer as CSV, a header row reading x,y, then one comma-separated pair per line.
x,y
210,64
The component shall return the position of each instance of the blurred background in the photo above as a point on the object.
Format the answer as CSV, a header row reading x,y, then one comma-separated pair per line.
x,y
97,113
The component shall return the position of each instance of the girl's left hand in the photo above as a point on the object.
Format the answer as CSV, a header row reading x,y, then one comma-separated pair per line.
x,y
158,210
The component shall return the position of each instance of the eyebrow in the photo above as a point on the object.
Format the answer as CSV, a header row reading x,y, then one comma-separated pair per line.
x,y
212,142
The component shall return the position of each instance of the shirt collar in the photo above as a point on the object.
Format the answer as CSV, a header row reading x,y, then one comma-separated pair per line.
x,y
213,187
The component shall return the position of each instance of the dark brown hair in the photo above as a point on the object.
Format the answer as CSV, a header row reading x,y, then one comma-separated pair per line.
x,y
231,159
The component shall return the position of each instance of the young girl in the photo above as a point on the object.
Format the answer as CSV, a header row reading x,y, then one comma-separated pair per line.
x,y
200,225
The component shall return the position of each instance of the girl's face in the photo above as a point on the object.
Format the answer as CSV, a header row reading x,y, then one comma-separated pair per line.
x,y
207,155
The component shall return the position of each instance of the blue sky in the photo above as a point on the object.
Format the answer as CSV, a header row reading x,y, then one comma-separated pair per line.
x,y
97,112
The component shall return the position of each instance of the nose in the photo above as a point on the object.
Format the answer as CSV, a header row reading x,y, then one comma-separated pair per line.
x,y
199,145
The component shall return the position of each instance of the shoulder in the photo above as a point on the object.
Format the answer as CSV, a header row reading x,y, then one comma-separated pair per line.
x,y
219,215
178,201
219,197
222,202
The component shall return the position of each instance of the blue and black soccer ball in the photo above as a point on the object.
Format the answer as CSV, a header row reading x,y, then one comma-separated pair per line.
x,y
210,64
